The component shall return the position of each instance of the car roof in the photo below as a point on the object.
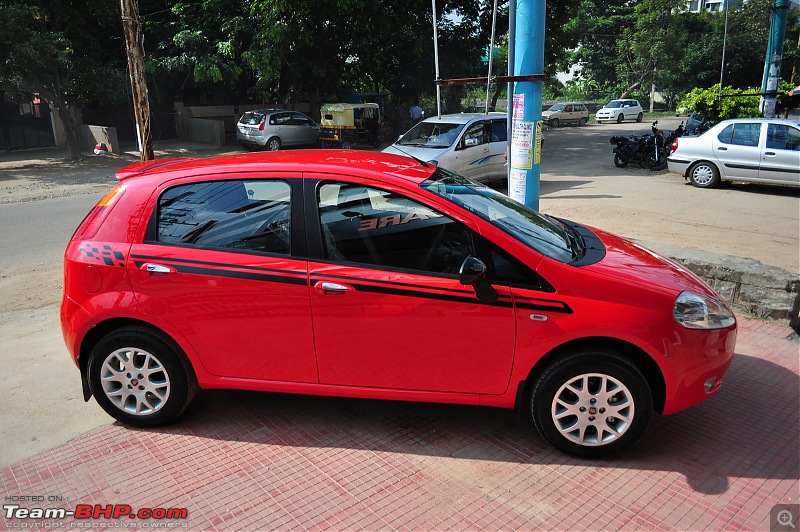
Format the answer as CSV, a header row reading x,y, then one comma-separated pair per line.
x,y
347,162
270,111
760,119
463,118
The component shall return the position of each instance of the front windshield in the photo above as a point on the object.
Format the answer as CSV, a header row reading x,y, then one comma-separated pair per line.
x,y
614,104
539,232
431,135
556,107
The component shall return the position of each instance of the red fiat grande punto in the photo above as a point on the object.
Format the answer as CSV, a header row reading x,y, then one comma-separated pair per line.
x,y
361,274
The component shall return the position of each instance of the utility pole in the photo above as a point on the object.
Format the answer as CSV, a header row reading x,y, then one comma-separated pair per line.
x,y
772,64
141,103
526,108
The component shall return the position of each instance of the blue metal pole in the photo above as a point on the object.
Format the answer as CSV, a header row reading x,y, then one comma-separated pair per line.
x,y
772,64
524,177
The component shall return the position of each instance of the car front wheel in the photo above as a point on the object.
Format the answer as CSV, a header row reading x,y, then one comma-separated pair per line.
x,y
554,122
591,403
620,118
704,175
139,378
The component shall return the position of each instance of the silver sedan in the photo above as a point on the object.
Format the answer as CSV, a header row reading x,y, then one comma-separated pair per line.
x,y
755,150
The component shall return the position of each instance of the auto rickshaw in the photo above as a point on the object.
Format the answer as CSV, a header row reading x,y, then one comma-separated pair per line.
x,y
349,124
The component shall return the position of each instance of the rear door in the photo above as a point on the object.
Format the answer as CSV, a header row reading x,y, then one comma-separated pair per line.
x,y
737,149
223,263
780,158
388,309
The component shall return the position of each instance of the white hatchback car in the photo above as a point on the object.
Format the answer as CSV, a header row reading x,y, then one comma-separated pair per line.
x,y
756,150
472,144
620,110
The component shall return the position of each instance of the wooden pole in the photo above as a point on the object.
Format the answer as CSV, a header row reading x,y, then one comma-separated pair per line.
x,y
141,104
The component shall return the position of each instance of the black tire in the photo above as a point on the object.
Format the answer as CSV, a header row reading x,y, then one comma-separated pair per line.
x,y
347,145
619,162
573,383
136,358
582,121
554,122
656,165
273,144
620,118
640,117
704,175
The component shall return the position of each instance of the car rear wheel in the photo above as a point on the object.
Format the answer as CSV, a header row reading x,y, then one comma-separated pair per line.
x,y
274,144
582,121
620,118
591,403
704,175
639,117
554,122
140,378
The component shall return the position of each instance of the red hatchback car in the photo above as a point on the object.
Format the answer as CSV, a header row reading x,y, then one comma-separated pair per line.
x,y
360,274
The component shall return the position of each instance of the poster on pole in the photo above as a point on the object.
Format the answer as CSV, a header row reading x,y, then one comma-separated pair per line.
x,y
517,185
537,150
522,145
519,107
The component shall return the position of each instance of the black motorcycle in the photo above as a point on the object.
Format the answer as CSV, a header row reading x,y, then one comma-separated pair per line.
x,y
661,146
631,149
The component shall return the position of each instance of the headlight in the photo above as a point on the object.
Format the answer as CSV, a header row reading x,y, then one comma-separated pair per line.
x,y
694,311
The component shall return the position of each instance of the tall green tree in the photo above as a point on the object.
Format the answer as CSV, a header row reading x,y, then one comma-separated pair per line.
x,y
67,51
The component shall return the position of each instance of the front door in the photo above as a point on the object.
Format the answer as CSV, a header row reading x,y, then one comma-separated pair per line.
x,y
388,309
217,264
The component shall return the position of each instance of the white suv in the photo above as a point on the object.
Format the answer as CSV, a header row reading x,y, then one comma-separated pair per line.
x,y
620,110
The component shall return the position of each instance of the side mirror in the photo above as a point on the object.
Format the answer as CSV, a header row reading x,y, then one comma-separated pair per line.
x,y
473,273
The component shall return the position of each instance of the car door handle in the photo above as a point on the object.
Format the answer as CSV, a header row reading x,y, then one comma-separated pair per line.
x,y
158,269
722,148
770,153
328,288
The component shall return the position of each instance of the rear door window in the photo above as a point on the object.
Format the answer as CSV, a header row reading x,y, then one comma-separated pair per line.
x,y
248,215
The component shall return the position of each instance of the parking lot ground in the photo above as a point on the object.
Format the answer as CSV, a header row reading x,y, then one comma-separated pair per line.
x,y
250,461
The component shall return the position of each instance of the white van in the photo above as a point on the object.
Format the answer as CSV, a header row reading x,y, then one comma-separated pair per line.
x,y
471,144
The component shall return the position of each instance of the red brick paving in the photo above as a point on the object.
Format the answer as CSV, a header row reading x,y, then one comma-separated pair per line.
x,y
248,461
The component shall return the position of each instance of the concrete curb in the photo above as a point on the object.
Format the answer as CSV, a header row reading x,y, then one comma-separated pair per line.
x,y
758,289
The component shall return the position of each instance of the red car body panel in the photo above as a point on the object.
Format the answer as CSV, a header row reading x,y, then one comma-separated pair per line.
x,y
263,322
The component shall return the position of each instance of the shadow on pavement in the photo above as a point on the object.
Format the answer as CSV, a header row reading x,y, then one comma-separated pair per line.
x,y
748,430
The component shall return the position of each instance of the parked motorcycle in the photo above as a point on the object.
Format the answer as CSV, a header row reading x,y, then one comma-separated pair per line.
x,y
631,149
662,146
697,124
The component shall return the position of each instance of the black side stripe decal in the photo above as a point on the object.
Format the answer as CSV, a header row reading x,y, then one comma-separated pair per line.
x,y
243,275
145,258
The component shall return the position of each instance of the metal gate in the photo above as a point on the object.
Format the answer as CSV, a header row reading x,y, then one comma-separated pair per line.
x,y
25,124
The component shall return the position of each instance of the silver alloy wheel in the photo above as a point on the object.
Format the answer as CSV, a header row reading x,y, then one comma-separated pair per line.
x,y
274,144
593,409
135,381
703,175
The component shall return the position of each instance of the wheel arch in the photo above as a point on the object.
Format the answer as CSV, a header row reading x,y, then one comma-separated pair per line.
x,y
634,354
691,166
102,329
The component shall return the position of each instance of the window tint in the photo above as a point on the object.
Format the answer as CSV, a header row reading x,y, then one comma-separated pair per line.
x,y
740,134
497,131
380,228
783,137
250,215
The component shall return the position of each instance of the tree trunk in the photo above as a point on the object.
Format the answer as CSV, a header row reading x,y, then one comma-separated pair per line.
x,y
72,129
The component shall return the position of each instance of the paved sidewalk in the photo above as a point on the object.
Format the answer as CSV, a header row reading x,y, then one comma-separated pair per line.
x,y
248,461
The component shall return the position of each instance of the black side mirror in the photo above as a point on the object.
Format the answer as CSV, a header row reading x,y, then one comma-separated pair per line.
x,y
473,273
